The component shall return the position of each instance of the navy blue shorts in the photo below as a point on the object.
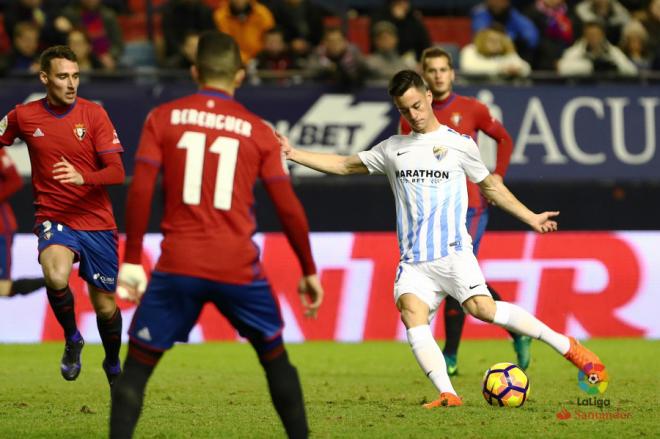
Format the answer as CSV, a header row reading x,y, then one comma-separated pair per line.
x,y
172,303
476,221
96,250
5,256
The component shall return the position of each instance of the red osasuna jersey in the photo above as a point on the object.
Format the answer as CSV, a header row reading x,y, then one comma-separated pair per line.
x,y
80,134
469,116
10,182
210,150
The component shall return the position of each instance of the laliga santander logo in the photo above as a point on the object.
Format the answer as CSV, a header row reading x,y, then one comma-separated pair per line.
x,y
593,379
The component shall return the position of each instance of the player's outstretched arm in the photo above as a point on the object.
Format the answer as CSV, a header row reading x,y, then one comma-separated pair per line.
x,y
327,163
498,194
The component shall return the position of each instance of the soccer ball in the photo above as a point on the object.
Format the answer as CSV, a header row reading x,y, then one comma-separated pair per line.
x,y
505,385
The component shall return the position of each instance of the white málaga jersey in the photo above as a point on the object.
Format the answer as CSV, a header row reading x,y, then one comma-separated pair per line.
x,y
427,174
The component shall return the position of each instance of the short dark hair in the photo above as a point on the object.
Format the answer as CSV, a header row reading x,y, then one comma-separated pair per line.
x,y
402,81
55,52
218,56
436,52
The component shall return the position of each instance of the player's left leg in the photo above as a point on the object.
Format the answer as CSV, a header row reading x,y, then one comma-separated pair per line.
x,y
253,310
515,318
99,266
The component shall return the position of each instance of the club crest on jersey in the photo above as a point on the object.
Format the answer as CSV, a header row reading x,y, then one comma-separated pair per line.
x,y
439,152
456,118
79,130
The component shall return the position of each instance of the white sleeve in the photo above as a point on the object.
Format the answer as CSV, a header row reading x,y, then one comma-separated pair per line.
x,y
374,159
472,164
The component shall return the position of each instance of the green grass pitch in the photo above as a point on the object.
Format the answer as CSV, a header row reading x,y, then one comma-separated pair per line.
x,y
366,390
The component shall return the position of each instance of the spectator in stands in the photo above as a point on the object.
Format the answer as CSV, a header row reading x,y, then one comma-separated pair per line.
x,y
302,24
610,13
42,16
413,35
651,22
185,56
555,26
275,60
593,53
180,18
519,28
635,44
493,54
337,60
247,21
385,60
24,55
101,26
80,44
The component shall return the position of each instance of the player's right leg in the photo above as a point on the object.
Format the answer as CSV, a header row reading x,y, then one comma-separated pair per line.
x,y
416,300
167,312
56,256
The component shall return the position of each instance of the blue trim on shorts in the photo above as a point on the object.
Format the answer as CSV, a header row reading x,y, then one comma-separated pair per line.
x,y
5,255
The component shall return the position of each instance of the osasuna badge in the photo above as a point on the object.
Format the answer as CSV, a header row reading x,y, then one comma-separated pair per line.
x,y
439,152
456,118
80,131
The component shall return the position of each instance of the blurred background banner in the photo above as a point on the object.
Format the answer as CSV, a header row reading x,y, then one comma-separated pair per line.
x,y
585,284
560,132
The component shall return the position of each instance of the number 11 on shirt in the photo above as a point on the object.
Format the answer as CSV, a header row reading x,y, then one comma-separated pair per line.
x,y
195,143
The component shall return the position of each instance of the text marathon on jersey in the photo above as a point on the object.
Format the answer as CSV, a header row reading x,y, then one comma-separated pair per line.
x,y
421,173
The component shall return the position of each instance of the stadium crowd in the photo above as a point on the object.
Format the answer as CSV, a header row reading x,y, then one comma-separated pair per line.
x,y
293,40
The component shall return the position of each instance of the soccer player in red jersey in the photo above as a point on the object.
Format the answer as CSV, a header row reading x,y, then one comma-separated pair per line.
x,y
467,116
10,183
74,152
210,150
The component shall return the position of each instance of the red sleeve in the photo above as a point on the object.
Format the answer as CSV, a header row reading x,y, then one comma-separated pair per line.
x,y
273,163
138,209
494,129
404,128
294,221
149,149
9,130
111,173
105,135
11,180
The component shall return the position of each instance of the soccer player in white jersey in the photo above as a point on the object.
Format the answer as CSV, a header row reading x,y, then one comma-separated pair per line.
x,y
426,171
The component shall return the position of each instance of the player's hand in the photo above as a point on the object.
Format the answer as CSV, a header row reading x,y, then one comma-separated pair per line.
x,y
311,294
287,149
64,172
542,222
132,281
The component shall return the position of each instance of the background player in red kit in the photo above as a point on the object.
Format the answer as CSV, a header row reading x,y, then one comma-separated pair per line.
x,y
467,116
211,150
74,152
10,183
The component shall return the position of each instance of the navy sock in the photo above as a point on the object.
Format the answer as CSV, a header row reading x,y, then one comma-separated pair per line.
x,y
110,332
454,320
128,391
26,286
286,394
61,302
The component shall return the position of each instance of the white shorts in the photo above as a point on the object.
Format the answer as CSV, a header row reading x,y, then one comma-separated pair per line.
x,y
457,275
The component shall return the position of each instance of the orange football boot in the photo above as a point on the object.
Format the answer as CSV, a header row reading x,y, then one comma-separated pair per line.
x,y
581,357
446,400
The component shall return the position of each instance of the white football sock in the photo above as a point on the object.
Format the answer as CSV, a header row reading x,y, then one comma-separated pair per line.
x,y
429,356
516,319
